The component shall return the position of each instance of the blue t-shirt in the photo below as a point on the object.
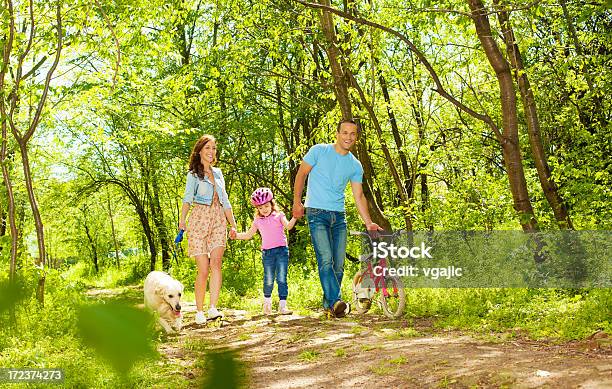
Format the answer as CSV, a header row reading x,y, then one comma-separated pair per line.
x,y
330,173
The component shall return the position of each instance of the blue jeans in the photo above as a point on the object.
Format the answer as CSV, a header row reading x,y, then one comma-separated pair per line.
x,y
275,263
328,235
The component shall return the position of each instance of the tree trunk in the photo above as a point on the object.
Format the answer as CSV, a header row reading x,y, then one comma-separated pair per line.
x,y
158,219
146,227
509,142
142,216
341,91
2,221
399,185
10,196
113,233
395,131
40,236
92,244
595,114
11,207
368,191
333,54
145,173
533,124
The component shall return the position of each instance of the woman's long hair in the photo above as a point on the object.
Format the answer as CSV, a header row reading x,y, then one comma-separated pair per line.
x,y
195,163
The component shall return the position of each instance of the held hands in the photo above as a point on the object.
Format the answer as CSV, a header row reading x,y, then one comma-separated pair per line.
x,y
298,210
233,233
291,223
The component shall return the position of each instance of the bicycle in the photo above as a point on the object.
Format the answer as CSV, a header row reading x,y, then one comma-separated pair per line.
x,y
366,283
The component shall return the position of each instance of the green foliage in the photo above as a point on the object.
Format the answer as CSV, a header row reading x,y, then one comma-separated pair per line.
x,y
309,355
224,370
119,333
110,155
538,313
10,295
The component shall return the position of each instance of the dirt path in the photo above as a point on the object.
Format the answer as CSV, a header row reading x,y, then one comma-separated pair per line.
x,y
312,352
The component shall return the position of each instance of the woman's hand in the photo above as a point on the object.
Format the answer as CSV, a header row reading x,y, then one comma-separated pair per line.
x,y
182,225
233,233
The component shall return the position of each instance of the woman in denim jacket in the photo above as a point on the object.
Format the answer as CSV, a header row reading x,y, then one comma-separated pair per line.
x,y
207,198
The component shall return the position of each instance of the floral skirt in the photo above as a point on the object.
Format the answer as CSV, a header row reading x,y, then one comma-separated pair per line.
x,y
207,228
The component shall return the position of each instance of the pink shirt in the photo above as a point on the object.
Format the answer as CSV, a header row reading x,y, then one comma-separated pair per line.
x,y
272,230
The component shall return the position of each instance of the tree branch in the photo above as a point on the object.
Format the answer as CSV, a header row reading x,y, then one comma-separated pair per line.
x,y
43,98
110,27
422,59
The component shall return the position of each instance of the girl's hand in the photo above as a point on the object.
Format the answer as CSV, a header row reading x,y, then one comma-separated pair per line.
x,y
182,225
233,233
291,223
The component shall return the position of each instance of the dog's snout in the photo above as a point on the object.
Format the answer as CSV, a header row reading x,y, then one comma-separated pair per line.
x,y
177,307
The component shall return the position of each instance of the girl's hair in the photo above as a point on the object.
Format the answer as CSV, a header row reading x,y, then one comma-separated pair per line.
x,y
195,163
274,209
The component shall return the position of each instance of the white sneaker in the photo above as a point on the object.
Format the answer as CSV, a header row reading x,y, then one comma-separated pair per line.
x,y
200,318
213,313
267,308
283,309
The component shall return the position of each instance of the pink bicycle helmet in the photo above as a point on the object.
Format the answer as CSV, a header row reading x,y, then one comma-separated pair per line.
x,y
261,196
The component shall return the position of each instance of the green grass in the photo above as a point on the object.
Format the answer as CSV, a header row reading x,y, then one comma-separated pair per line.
x,y
369,347
48,336
244,337
399,360
382,369
446,382
296,338
358,329
562,314
403,333
309,355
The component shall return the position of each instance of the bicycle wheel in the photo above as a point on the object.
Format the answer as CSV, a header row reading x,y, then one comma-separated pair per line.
x,y
393,298
360,304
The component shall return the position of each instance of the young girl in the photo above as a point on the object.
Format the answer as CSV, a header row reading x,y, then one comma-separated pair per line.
x,y
270,222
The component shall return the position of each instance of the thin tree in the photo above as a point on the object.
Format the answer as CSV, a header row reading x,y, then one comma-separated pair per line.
x,y
7,45
11,107
342,81
549,187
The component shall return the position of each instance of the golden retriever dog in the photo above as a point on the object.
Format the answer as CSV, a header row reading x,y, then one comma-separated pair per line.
x,y
162,294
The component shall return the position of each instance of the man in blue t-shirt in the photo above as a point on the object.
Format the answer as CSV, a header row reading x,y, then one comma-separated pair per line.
x,y
329,168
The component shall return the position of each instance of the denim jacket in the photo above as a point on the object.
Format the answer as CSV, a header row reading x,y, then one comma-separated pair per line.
x,y
205,195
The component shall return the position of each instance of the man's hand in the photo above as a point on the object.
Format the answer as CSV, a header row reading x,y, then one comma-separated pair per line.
x,y
372,229
371,226
298,188
298,210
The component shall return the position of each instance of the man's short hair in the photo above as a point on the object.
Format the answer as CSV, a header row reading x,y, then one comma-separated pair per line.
x,y
351,121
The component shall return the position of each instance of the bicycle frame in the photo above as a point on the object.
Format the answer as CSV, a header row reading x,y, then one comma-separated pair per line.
x,y
379,280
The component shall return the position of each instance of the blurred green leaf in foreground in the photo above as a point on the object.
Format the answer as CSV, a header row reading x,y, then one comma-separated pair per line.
x,y
119,333
224,370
